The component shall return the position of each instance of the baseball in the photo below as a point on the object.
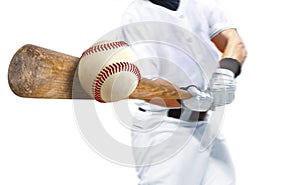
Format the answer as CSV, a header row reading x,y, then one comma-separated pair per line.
x,y
107,72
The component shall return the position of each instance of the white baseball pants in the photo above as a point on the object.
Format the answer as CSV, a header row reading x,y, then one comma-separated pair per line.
x,y
168,151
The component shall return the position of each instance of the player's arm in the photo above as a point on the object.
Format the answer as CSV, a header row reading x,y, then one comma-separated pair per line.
x,y
234,53
231,45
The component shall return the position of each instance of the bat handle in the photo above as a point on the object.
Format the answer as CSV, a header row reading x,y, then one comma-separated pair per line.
x,y
159,92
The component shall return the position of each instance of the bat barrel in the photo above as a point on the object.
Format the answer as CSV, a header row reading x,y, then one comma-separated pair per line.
x,y
36,72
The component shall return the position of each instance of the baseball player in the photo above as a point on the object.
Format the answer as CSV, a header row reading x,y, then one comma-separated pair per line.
x,y
168,140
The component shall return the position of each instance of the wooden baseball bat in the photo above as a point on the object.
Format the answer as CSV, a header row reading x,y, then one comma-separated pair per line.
x,y
36,72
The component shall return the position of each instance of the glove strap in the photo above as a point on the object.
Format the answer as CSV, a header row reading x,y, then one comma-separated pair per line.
x,y
232,65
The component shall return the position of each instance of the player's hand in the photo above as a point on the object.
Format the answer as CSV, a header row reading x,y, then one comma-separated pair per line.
x,y
201,101
221,92
222,87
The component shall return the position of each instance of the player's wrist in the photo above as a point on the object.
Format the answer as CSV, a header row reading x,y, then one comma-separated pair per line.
x,y
225,72
201,101
232,65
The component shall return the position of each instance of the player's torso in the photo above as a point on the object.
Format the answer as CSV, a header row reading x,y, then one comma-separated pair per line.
x,y
182,39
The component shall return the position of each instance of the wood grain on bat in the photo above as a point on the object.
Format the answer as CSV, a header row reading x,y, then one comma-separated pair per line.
x,y
36,72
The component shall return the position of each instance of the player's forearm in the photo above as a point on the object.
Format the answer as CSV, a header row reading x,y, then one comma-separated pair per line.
x,y
231,45
235,48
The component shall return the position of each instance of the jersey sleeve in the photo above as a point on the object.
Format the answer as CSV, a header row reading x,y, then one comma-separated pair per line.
x,y
218,18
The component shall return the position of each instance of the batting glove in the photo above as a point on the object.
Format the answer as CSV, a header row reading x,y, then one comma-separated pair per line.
x,y
222,87
201,101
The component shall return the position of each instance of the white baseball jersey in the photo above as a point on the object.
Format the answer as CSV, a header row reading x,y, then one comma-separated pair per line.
x,y
186,48
176,46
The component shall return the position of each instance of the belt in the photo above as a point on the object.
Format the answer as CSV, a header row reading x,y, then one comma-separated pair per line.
x,y
176,113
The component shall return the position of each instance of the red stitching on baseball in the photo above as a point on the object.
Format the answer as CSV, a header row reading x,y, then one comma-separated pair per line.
x,y
104,47
123,66
110,70
101,48
118,67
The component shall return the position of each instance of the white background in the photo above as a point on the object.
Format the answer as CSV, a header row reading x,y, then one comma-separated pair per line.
x,y
39,139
